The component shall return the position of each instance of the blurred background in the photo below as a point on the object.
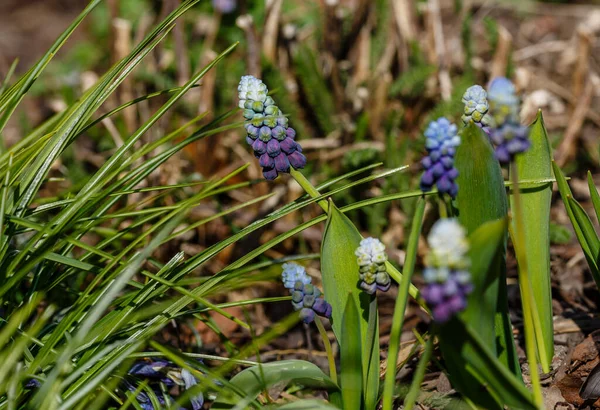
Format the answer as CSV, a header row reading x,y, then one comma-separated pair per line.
x,y
359,80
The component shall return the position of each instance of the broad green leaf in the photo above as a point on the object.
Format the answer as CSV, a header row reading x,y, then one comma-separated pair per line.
x,y
306,405
485,373
565,193
351,373
254,380
340,281
482,198
536,163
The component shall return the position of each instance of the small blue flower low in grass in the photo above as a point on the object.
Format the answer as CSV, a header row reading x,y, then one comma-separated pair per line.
x,y
306,297
159,372
476,107
292,273
507,134
441,143
447,277
371,260
267,130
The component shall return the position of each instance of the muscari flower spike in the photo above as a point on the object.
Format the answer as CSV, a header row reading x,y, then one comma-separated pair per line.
x,y
447,277
309,300
292,273
371,260
476,107
162,372
441,142
506,133
271,139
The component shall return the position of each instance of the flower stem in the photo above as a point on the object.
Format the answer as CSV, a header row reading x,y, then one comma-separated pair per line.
x,y
401,302
526,290
327,344
308,187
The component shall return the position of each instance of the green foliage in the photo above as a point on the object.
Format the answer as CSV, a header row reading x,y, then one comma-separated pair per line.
x,y
537,163
482,198
250,382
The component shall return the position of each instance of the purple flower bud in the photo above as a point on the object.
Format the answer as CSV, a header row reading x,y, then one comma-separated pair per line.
x,y
273,148
297,160
426,162
437,170
249,140
259,147
265,133
224,6
266,161
288,145
307,315
427,179
270,174
278,132
291,133
251,130
282,164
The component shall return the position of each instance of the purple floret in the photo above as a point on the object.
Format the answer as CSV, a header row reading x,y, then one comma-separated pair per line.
x,y
510,139
446,299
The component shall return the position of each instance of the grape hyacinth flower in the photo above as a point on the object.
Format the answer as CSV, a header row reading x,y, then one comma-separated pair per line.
x,y
267,130
503,101
224,6
441,142
292,273
476,107
309,300
371,260
507,134
447,277
158,372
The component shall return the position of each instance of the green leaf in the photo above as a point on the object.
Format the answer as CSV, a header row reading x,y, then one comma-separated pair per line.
x,y
254,380
567,197
340,282
467,351
482,198
351,378
594,195
536,163
307,405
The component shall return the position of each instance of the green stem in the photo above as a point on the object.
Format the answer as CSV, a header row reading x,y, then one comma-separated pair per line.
x,y
526,289
308,187
401,302
328,349
415,387
442,207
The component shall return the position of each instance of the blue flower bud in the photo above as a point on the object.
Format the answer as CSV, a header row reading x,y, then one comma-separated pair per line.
x,y
264,133
510,139
503,101
293,273
441,142
308,299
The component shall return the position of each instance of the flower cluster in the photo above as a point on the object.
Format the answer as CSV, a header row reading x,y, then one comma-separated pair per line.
x,y
441,142
476,107
507,134
267,130
447,277
158,372
292,273
224,6
371,260
306,298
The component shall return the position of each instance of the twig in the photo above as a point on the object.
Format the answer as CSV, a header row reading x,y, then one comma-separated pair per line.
x,y
270,34
567,148
501,56
438,51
